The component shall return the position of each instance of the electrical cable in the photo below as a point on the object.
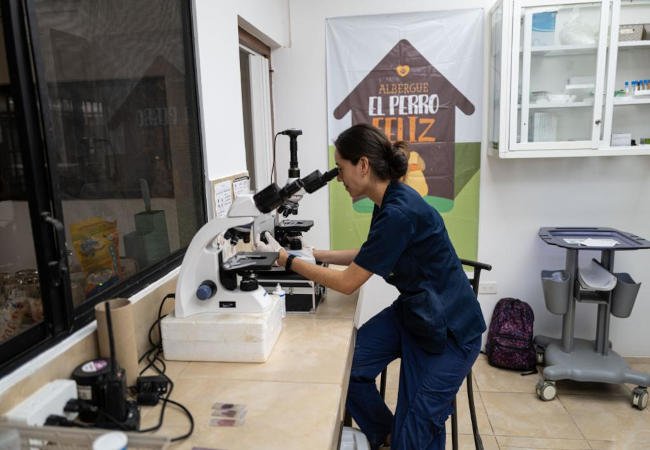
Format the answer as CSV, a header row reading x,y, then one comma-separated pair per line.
x,y
113,420
156,363
274,172
189,415
157,348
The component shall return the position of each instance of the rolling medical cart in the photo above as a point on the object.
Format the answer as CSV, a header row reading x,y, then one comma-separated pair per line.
x,y
570,358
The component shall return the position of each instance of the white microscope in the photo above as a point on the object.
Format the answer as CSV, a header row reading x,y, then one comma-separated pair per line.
x,y
221,312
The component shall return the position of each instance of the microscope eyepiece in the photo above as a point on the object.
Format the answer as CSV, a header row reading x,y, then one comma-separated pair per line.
x,y
331,174
273,197
294,171
316,180
268,198
291,132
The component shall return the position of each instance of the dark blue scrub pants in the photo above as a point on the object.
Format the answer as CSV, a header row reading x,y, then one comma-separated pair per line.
x,y
427,384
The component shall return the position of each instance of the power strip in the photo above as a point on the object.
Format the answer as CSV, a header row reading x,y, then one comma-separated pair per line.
x,y
49,399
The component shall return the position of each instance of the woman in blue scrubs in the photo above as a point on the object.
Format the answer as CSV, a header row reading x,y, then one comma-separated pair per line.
x,y
435,324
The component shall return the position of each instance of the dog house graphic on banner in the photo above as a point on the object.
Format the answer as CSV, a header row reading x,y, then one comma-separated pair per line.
x,y
410,100
417,76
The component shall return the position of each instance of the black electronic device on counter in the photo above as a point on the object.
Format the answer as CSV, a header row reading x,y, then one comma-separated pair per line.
x,y
91,381
301,295
101,388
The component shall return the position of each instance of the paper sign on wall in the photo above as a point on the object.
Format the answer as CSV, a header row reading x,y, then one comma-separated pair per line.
x,y
222,198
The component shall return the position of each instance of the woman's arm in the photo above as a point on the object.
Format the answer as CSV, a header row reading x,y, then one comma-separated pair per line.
x,y
340,257
346,281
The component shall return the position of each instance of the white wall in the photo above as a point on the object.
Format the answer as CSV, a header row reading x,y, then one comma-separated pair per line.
x,y
299,89
517,197
217,52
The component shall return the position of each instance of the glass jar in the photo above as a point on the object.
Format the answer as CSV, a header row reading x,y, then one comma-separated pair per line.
x,y
31,293
5,278
14,309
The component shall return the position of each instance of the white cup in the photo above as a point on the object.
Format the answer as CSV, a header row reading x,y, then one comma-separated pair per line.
x,y
10,439
115,440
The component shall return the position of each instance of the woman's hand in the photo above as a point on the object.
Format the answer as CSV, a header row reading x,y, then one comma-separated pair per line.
x,y
271,246
338,257
266,243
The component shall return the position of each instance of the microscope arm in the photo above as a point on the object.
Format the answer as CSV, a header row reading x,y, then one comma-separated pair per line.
x,y
201,263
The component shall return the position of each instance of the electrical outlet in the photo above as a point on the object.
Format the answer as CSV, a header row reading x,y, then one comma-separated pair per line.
x,y
487,287
49,399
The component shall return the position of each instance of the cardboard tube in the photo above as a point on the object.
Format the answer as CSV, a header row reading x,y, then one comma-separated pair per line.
x,y
126,352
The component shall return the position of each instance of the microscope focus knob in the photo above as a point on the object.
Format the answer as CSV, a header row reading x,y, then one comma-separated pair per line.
x,y
248,284
295,244
206,290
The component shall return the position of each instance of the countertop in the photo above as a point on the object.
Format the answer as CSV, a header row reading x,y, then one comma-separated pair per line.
x,y
294,400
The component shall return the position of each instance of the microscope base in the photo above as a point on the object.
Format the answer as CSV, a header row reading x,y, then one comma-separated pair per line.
x,y
225,337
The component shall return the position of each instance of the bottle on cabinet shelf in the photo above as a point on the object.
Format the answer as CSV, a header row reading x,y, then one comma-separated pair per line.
x,y
642,87
637,87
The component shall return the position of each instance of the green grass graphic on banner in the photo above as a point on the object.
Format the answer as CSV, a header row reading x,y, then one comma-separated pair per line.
x,y
349,223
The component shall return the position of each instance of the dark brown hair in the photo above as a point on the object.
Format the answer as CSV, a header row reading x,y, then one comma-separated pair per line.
x,y
387,160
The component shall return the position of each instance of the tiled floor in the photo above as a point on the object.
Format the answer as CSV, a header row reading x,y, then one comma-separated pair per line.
x,y
511,416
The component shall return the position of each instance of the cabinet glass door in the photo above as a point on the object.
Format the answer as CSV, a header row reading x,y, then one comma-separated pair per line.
x,y
628,78
558,70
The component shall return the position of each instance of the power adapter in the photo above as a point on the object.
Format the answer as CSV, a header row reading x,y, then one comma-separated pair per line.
x,y
156,384
58,421
150,389
147,399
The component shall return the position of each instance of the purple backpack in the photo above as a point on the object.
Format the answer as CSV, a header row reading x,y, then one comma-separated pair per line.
x,y
510,336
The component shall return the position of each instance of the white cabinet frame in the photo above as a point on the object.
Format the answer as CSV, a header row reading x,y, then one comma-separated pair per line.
x,y
534,7
503,135
604,102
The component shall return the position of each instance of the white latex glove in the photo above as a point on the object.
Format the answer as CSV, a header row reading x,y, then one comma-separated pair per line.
x,y
306,253
271,244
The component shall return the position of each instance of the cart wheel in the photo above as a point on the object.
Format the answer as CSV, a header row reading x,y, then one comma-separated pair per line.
x,y
539,356
546,390
640,397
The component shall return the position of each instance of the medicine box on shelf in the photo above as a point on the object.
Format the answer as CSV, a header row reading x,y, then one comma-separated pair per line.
x,y
544,28
632,32
621,139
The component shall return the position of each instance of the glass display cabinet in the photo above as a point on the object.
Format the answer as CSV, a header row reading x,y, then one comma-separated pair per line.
x,y
558,73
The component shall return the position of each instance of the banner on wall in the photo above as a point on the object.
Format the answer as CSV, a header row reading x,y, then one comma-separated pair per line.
x,y
417,77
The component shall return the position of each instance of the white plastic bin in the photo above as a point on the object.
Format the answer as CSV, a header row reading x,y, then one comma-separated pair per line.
x,y
624,295
555,284
353,439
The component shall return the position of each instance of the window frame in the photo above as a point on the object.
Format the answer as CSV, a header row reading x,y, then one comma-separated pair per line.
x,y
259,138
61,319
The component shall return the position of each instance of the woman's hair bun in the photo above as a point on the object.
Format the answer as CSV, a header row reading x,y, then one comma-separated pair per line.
x,y
389,161
398,161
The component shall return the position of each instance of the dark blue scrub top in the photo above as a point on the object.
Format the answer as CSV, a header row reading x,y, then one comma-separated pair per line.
x,y
409,247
